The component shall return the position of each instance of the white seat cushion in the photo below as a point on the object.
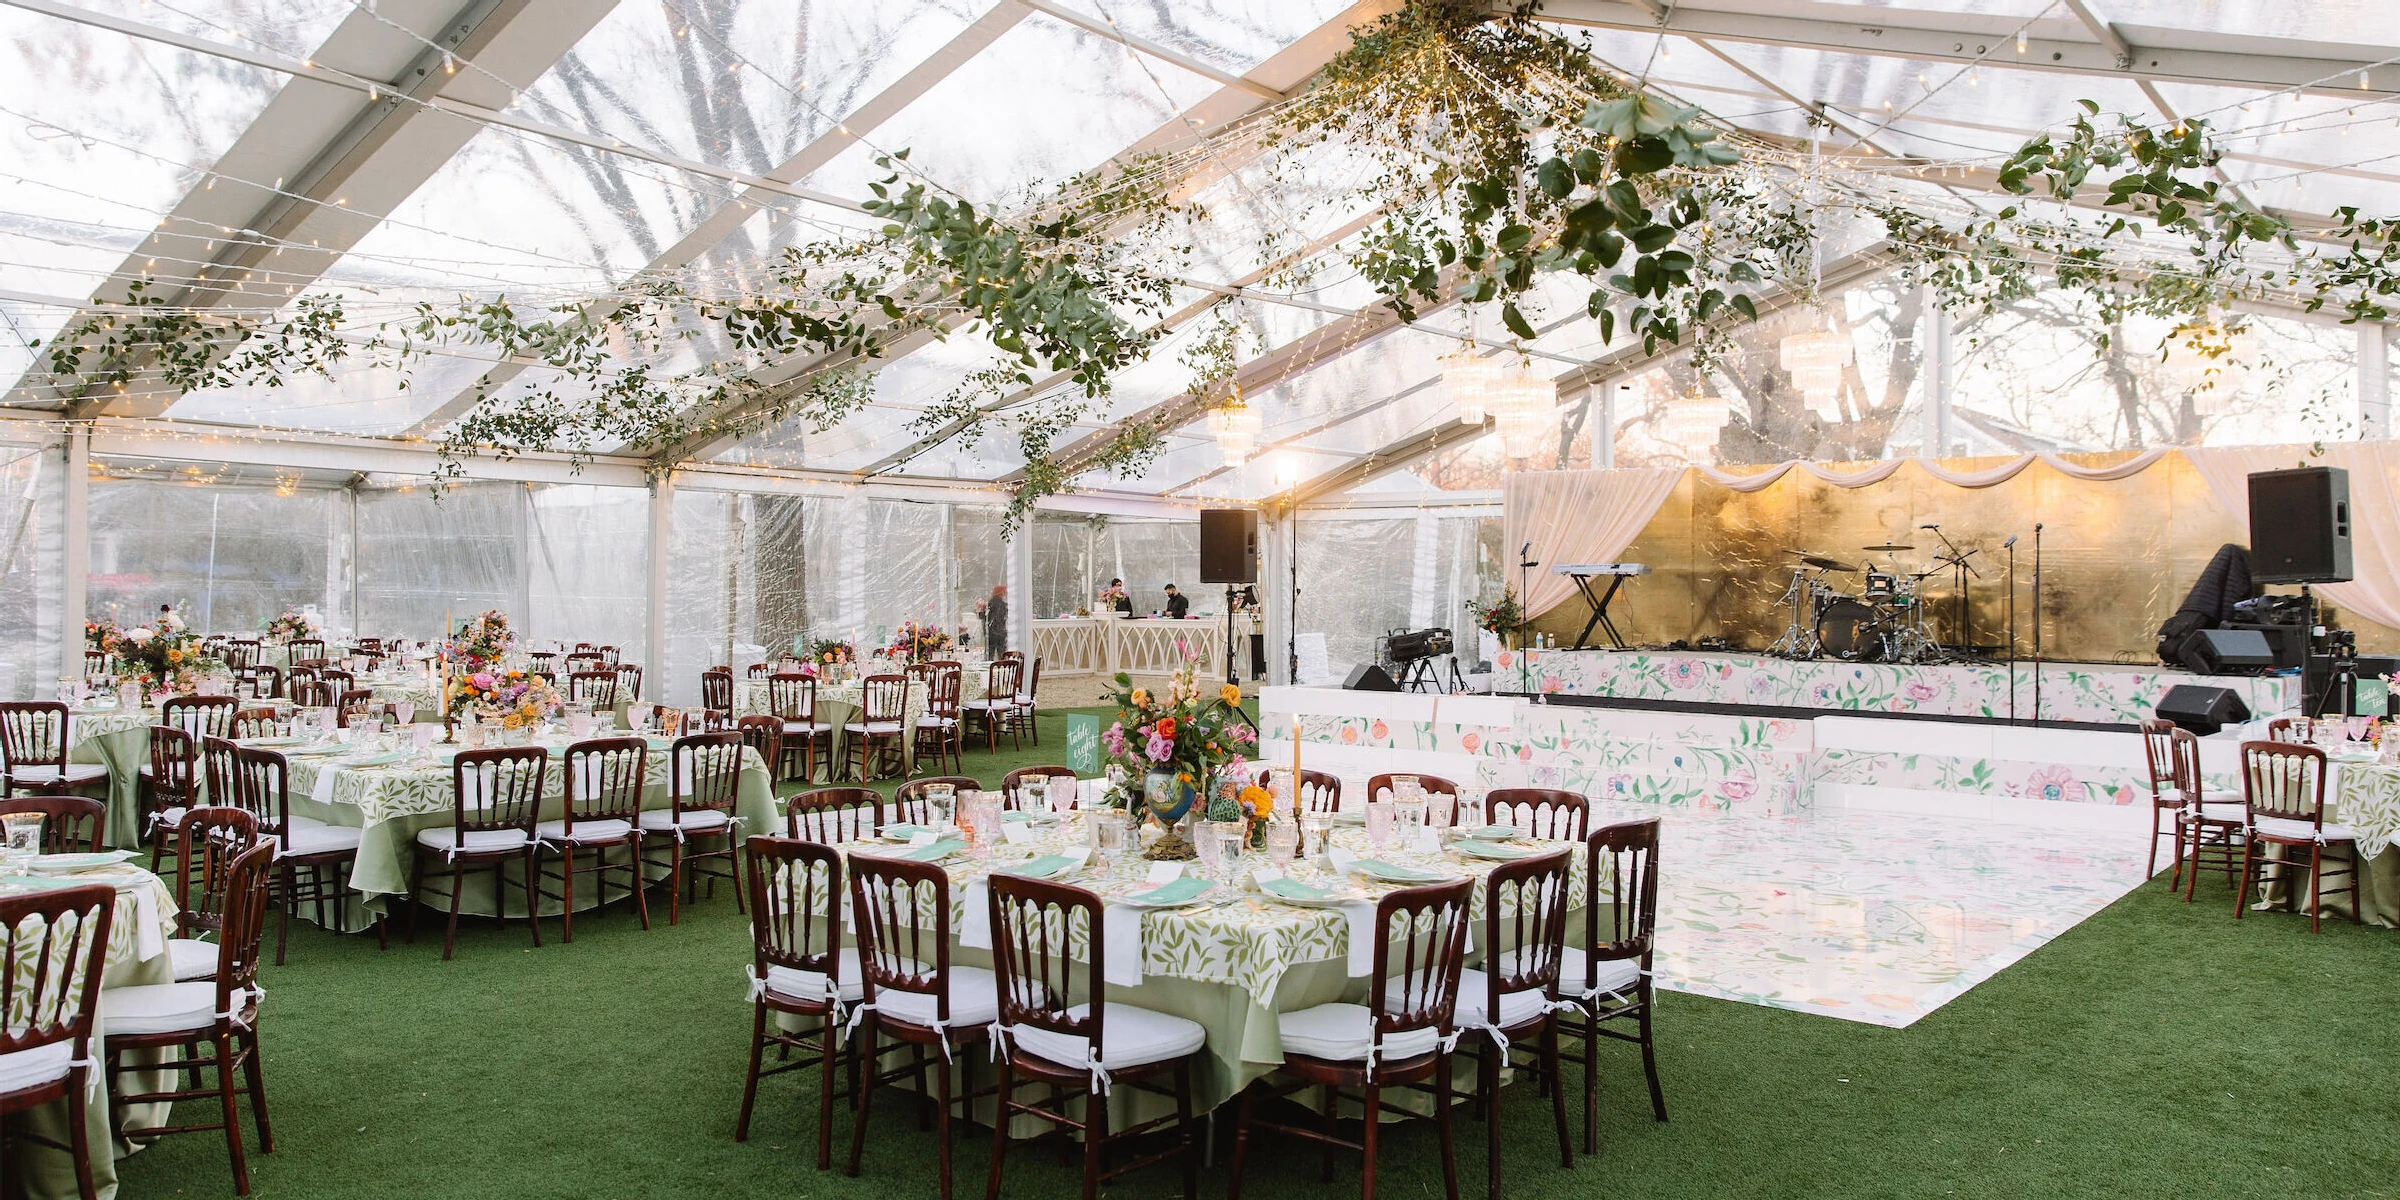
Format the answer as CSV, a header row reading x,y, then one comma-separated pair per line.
x,y
2294,830
478,841
933,722
872,727
1346,1033
1129,1037
168,818
193,958
585,831
1618,976
1474,988
664,820
40,1065
808,728
809,985
990,705
974,1001
159,1008
77,774
317,837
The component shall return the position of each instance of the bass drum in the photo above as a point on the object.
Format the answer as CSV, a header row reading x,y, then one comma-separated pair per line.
x,y
1849,630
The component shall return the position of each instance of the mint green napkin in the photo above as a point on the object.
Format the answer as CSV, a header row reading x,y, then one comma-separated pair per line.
x,y
1493,832
1494,849
1394,871
903,829
1040,868
935,852
1174,893
1293,889
1016,816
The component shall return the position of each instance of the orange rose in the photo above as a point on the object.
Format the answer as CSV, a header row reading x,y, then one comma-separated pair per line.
x,y
1166,728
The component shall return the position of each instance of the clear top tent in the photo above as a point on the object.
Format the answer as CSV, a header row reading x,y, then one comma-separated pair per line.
x,y
398,152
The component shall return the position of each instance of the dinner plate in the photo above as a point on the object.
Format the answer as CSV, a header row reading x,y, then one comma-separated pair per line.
x,y
1494,851
1288,891
1349,818
271,743
69,864
316,751
1390,872
1178,894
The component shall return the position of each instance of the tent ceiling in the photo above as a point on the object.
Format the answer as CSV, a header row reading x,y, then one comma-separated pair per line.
x,y
548,149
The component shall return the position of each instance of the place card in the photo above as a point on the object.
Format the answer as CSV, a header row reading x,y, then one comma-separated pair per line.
x,y
926,838
1165,872
1016,835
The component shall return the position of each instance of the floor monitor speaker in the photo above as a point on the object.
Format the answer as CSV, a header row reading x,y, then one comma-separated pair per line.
x,y
1367,677
2203,710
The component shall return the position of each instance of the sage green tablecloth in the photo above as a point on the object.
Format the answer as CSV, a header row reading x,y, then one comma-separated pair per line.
x,y
2366,798
45,1173
118,739
1234,968
391,804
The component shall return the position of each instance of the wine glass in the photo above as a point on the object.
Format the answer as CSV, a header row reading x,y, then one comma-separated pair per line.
x,y
404,711
942,800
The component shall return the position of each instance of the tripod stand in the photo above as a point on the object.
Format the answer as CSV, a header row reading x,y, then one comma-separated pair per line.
x,y
1962,627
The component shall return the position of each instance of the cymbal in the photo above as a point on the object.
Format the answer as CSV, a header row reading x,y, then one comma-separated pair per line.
x,y
1887,548
1823,563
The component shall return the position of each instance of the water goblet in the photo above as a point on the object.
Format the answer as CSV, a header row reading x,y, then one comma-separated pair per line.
x,y
1283,842
942,800
1379,823
1317,831
1033,794
404,711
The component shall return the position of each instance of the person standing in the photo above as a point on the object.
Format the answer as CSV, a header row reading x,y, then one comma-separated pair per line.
x,y
995,621
1178,605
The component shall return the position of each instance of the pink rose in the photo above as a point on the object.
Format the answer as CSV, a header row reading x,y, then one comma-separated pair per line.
x,y
482,679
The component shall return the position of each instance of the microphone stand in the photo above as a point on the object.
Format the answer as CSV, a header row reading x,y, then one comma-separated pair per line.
x,y
2011,546
2037,624
1525,566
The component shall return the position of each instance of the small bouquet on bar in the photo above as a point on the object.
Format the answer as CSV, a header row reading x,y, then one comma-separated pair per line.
x,y
290,624
1503,616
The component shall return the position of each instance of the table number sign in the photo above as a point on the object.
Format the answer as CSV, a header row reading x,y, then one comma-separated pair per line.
x,y
1083,743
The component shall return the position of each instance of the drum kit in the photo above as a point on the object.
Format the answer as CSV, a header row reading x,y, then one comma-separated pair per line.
x,y
1886,621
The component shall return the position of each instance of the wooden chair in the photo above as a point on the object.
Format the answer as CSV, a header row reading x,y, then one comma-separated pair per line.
x,y
596,688
608,654
798,968
2166,791
70,824
604,781
259,783
495,809
312,693
792,699
1543,812
33,751
629,682
1434,785
761,670
586,660
210,840
542,662
1012,787
2284,785
1320,791
352,704
1024,712
53,949
909,805
1608,979
209,1024
999,701
1399,1038
1072,1039
239,655
940,729
716,690
169,786
763,734
1509,999
913,994
200,716
2213,824
2280,730
879,726
834,815
339,680
704,778
300,650
258,723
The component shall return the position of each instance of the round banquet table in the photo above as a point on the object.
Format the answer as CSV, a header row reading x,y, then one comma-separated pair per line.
x,y
838,704
1233,963
2365,796
391,801
138,932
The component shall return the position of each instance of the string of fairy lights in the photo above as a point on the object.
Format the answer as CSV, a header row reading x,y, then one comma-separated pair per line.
x,y
539,277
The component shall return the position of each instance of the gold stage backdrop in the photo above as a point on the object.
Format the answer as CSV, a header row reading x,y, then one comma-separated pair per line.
x,y
2117,556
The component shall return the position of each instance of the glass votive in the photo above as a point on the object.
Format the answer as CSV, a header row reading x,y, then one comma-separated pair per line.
x,y
1379,823
1283,842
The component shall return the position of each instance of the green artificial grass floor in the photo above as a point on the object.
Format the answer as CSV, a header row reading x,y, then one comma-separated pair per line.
x,y
2158,1049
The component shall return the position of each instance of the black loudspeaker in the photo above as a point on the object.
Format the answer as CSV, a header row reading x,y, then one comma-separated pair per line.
x,y
2300,525
1228,545
1258,656
1367,677
2289,643
2229,652
2203,710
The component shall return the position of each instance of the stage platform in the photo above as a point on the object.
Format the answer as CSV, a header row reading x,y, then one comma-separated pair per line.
x,y
2090,693
1853,865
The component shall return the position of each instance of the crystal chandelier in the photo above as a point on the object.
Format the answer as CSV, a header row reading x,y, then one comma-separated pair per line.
x,y
1235,425
1694,421
1523,404
1469,378
1815,358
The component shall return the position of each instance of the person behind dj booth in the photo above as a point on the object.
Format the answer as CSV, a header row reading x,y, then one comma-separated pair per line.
x,y
1178,605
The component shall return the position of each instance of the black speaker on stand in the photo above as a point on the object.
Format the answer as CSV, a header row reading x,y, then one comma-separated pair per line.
x,y
1229,555
2300,525
2203,710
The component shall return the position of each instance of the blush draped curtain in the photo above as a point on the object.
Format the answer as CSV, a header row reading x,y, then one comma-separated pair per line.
x,y
1577,517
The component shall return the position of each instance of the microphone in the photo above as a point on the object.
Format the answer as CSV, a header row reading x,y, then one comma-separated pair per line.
x,y
2037,526
1525,551
1929,527
2010,543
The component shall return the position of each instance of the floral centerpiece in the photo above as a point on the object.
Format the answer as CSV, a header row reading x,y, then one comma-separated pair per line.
x,y
291,623
1181,743
919,642
516,696
99,635
482,640
1504,616
824,654
163,654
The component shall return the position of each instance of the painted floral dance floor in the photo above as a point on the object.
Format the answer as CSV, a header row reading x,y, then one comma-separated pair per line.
x,y
1869,916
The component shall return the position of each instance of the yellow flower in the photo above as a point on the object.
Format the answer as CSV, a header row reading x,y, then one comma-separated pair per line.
x,y
1141,697
1260,800
1231,694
